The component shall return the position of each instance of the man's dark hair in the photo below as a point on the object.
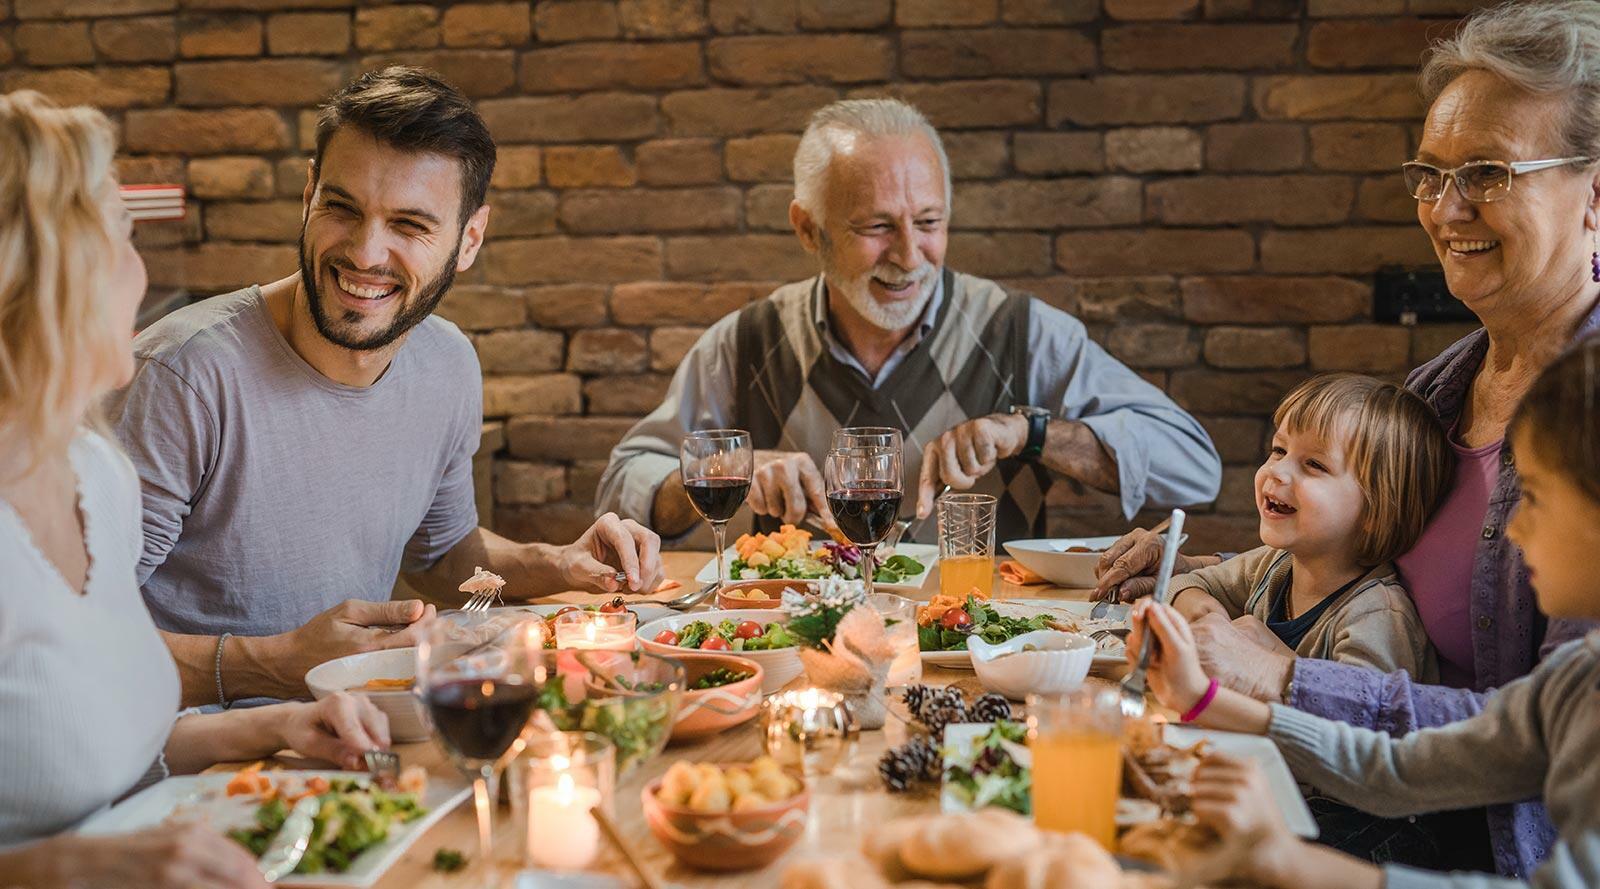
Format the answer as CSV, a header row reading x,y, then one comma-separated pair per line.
x,y
414,110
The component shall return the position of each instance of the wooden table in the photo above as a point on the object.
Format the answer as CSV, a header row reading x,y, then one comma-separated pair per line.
x,y
842,804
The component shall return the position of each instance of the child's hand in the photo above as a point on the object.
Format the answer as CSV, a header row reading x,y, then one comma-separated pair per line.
x,y
1231,796
1175,676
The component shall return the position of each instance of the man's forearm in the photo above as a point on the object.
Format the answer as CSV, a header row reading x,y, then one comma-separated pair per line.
x,y
248,668
1072,449
528,568
671,513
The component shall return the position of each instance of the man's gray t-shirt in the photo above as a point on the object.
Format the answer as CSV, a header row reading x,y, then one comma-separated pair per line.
x,y
272,493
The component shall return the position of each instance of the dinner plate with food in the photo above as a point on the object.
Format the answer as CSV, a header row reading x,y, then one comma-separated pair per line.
x,y
791,554
360,829
760,634
946,623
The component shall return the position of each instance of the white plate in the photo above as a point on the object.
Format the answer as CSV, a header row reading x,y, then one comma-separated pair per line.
x,y
1279,779
778,665
1048,558
647,611
962,660
203,796
926,553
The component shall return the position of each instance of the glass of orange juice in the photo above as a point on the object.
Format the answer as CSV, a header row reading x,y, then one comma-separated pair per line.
x,y
966,544
1076,742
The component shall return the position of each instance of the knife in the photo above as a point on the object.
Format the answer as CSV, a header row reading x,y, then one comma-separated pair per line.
x,y
289,846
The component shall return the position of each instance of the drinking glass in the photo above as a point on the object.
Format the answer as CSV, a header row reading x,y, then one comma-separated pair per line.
x,y
473,675
868,437
900,623
864,491
966,544
1076,743
716,465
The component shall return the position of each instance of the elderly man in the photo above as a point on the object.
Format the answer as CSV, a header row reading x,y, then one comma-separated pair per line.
x,y
992,389
301,442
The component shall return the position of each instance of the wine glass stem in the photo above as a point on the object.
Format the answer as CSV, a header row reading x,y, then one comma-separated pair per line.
x,y
484,790
720,531
869,565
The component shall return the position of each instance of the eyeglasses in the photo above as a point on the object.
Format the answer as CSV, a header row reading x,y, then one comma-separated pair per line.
x,y
1478,181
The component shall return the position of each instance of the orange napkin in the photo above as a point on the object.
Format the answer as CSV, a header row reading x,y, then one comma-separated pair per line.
x,y
1011,571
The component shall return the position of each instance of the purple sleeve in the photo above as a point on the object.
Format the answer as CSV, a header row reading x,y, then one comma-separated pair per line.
x,y
1385,702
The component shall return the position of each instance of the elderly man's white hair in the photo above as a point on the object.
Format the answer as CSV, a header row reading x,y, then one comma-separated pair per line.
x,y
838,126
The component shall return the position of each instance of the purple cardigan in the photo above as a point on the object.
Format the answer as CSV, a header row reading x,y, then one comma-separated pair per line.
x,y
1509,635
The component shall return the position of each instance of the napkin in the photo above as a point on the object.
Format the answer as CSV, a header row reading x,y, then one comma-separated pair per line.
x,y
1011,571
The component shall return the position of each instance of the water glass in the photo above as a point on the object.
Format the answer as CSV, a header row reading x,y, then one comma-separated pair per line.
x,y
966,544
900,621
1076,741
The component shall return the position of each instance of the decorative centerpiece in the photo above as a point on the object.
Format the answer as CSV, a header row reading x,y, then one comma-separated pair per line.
x,y
844,648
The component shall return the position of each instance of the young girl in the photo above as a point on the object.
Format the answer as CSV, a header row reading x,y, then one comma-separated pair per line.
x,y
1357,465
1537,737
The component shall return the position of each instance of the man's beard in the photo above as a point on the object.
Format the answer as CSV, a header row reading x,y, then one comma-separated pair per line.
x,y
895,315
410,314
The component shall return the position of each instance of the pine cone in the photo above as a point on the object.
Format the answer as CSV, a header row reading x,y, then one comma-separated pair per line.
x,y
940,699
991,708
908,764
913,697
939,717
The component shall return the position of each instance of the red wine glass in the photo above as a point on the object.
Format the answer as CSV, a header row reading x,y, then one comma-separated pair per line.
x,y
717,465
864,492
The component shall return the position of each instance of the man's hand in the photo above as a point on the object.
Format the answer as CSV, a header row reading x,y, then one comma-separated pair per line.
x,y
1234,658
338,729
787,485
966,453
591,562
351,627
1127,569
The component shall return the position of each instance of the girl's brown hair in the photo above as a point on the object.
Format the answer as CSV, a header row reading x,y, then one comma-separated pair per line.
x,y
1561,415
1398,453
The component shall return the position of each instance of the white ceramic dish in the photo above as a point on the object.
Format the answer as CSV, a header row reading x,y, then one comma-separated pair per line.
x,y
1279,779
407,721
645,610
1107,655
1045,662
1048,557
778,666
203,796
926,553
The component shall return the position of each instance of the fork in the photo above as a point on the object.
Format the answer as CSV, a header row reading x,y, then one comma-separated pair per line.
x,y
384,766
480,602
1133,687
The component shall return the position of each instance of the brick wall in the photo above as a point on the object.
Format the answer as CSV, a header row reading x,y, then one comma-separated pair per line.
x,y
1208,184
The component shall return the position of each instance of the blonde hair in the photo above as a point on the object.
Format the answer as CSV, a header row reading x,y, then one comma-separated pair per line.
x,y
1397,451
56,247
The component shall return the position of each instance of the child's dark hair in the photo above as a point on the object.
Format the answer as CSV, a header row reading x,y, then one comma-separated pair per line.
x,y
1561,416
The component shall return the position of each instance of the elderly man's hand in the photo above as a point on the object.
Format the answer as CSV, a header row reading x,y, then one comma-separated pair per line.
x,y
1235,658
610,545
966,453
1127,568
787,485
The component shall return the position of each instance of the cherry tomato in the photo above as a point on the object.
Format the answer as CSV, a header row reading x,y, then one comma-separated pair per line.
x,y
615,606
955,619
715,643
748,630
667,637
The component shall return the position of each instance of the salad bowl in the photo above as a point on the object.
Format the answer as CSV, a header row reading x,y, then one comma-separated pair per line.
x,y
1044,662
714,708
775,650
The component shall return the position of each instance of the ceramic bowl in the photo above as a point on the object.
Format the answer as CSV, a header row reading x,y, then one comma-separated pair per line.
x,y
778,666
707,711
1044,662
1064,561
407,722
727,841
770,592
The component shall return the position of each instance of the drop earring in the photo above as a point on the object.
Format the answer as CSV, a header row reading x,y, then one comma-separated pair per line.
x,y
1594,259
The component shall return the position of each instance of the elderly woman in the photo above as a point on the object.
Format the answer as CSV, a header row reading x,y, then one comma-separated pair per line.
x,y
87,687
1507,182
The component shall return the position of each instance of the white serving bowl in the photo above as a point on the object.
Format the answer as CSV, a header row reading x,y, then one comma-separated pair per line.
x,y
1048,558
1043,662
778,666
407,722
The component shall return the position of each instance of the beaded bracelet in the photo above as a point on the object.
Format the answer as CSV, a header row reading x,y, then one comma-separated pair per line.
x,y
221,641
1201,705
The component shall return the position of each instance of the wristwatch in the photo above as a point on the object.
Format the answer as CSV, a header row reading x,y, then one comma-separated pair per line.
x,y
1038,421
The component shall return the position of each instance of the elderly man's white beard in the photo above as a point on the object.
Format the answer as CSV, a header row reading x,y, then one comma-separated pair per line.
x,y
896,315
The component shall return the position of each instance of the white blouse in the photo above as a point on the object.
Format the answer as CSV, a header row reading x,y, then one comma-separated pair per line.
x,y
88,690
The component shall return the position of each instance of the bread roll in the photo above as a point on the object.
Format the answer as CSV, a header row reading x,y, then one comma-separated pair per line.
x,y
1066,861
836,872
959,847
881,844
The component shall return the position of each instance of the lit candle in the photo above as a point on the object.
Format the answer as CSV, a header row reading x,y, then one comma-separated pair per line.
x,y
562,835
600,631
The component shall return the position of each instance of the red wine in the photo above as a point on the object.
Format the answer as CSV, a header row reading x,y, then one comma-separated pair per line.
x,y
864,514
480,718
717,498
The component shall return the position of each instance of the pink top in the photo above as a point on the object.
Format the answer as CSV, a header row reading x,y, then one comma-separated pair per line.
x,y
1438,570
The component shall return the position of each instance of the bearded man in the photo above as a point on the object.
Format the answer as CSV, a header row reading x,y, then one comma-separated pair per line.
x,y
301,443
991,389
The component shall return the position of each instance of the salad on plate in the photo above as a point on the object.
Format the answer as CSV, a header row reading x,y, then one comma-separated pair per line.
x,y
352,816
946,623
787,554
729,635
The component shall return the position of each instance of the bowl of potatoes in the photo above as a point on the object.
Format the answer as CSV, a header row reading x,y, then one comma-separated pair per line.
x,y
727,816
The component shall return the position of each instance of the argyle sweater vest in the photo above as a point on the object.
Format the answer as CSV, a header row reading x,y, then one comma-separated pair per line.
x,y
791,393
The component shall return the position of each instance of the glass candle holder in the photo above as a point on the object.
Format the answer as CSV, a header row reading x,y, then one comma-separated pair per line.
x,y
900,624
558,778
597,630
809,729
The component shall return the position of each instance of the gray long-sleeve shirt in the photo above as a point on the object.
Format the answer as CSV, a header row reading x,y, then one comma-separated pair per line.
x,y
1164,457
1537,736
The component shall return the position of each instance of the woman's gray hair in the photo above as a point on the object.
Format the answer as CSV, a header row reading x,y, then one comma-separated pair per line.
x,y
836,125
1542,47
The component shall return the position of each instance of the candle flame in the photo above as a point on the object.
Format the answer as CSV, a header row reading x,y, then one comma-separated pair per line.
x,y
592,630
566,790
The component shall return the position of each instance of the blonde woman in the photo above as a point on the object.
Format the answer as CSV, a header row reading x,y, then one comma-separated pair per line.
x,y
88,689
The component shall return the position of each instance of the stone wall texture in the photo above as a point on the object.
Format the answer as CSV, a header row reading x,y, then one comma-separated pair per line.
x,y
1210,185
